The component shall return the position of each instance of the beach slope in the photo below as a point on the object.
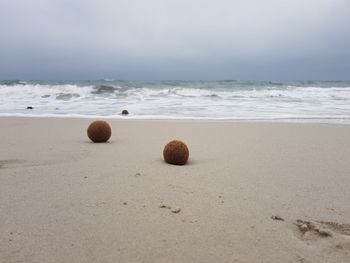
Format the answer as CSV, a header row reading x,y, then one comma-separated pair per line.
x,y
251,192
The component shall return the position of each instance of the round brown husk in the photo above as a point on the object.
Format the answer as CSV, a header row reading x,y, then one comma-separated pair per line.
x,y
176,152
99,131
125,112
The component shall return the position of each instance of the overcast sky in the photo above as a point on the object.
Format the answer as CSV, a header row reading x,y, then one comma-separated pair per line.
x,y
175,39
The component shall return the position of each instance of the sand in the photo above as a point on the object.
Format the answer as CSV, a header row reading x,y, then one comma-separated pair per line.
x,y
252,192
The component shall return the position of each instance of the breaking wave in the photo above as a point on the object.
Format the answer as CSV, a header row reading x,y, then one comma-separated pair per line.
x,y
247,100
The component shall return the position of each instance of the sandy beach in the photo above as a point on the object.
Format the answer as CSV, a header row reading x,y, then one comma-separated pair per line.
x,y
251,192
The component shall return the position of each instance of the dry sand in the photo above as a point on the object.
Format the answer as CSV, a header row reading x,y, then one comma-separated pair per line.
x,y
252,192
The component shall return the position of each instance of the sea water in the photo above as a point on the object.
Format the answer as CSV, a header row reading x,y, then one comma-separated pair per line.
x,y
307,101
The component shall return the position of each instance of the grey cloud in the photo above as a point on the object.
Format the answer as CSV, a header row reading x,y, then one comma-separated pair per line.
x,y
162,39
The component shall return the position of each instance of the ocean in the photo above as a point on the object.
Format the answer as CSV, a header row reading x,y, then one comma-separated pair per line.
x,y
301,101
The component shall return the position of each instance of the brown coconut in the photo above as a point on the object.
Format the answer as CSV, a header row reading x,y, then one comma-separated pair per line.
x,y
99,131
125,112
176,152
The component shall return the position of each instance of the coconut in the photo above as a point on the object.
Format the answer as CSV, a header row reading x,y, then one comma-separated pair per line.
x,y
99,131
176,152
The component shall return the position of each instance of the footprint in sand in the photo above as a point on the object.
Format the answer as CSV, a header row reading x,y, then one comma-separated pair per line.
x,y
338,234
310,229
331,237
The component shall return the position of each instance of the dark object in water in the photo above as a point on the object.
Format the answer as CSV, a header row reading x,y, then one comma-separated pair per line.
x,y
125,112
176,152
30,108
99,131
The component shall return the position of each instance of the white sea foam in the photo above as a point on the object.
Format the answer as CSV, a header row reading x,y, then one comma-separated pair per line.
x,y
328,101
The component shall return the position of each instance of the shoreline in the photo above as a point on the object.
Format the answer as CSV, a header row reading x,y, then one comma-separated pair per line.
x,y
339,121
251,192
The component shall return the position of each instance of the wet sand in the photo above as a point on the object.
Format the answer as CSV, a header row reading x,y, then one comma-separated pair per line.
x,y
251,192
